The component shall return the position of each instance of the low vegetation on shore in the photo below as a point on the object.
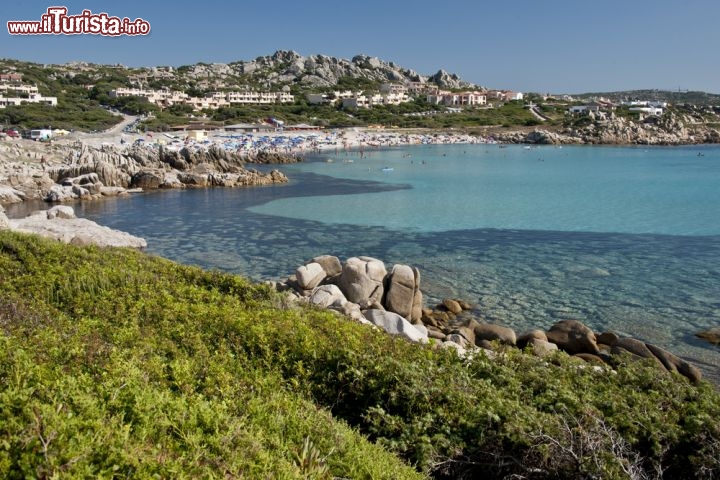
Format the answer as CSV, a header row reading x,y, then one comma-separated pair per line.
x,y
114,363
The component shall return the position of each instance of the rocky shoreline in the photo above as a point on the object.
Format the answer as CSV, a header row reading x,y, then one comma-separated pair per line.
x,y
669,130
60,173
362,289
65,171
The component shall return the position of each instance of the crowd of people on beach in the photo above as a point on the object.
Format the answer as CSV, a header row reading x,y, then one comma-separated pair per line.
x,y
294,143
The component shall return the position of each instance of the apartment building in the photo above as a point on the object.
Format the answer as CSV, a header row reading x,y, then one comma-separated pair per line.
x,y
454,99
32,98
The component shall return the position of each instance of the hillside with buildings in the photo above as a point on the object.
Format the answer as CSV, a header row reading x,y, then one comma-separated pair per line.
x,y
283,84
289,90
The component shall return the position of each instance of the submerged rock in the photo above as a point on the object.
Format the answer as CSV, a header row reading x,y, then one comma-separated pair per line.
x,y
712,335
453,306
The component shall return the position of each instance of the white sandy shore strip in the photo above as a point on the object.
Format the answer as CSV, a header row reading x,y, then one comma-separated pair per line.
x,y
295,142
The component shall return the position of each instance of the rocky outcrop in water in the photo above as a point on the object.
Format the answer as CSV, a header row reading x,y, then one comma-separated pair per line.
x,y
265,157
90,172
361,288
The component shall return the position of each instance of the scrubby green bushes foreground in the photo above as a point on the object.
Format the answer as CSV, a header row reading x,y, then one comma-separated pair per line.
x,y
117,364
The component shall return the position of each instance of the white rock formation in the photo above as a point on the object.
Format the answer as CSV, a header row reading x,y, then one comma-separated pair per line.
x,y
60,223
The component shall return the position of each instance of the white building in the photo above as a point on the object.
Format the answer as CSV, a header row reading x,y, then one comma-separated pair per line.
x,y
130,92
648,110
367,101
505,95
393,88
395,98
166,97
419,88
24,89
259,98
510,95
580,109
457,98
327,98
33,98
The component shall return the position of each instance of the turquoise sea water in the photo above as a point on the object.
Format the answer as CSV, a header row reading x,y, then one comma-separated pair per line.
x,y
625,190
624,239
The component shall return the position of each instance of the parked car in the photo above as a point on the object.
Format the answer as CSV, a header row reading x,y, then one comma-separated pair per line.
x,y
11,132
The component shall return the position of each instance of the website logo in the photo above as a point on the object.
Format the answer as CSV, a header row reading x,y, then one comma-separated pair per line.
x,y
57,22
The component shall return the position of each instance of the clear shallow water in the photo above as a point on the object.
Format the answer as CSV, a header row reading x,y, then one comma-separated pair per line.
x,y
627,190
624,239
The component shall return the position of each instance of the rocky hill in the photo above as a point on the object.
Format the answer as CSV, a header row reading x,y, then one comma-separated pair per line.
x,y
285,68
281,70
82,89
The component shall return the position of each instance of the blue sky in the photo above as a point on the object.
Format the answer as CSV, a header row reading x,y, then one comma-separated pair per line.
x,y
557,46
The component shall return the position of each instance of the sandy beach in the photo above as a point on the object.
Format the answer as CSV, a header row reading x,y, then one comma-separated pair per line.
x,y
280,141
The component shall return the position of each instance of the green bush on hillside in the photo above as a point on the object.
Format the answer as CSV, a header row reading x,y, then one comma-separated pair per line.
x,y
66,114
115,363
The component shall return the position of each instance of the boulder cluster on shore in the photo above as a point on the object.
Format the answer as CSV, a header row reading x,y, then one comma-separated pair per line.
x,y
362,289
